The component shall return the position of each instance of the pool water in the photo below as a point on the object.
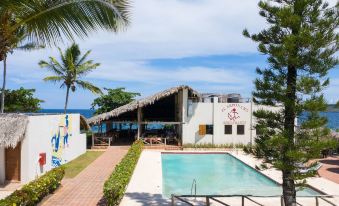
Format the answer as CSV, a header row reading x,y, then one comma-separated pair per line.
x,y
216,174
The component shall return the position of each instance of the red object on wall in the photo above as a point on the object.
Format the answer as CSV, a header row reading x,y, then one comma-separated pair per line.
x,y
42,159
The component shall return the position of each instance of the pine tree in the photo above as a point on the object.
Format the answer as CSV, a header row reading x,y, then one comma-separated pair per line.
x,y
300,42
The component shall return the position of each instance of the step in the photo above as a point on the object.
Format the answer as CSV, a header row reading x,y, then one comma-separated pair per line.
x,y
99,147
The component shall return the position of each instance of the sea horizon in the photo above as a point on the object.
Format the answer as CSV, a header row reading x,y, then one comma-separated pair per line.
x,y
332,116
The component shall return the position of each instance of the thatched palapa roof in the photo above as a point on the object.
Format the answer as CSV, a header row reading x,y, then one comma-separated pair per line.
x,y
139,104
83,123
12,129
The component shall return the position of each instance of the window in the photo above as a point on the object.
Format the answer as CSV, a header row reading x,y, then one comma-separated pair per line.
x,y
228,129
205,129
209,129
240,129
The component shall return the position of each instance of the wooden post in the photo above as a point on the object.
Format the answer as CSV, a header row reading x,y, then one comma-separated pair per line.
x,y
282,201
172,200
242,200
316,201
208,201
139,123
92,139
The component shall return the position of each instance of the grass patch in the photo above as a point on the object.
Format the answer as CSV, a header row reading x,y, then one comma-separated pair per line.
x,y
74,167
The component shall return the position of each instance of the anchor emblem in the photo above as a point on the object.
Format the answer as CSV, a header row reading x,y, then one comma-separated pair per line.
x,y
233,114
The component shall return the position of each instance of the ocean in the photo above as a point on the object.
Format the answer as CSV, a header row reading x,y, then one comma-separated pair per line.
x,y
333,117
85,112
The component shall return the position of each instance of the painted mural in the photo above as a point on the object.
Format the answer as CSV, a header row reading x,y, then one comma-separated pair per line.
x,y
60,139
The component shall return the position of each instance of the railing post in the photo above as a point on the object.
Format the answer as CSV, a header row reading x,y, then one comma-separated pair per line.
x,y
208,201
109,141
172,197
92,139
316,201
242,200
282,200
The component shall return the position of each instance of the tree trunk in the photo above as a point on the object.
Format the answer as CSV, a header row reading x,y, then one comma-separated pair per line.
x,y
290,114
289,191
2,108
67,93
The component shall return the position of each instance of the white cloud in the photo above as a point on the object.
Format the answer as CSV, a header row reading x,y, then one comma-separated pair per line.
x,y
179,28
141,72
165,29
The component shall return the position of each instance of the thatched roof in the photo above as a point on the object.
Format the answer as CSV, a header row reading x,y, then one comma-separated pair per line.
x,y
83,123
139,104
12,129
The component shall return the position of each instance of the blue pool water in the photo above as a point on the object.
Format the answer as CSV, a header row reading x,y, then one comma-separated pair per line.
x,y
215,174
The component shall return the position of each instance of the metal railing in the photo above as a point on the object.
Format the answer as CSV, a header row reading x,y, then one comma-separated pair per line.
x,y
209,198
194,184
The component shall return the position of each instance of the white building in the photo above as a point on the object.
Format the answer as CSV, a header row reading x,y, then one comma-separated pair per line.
x,y
196,118
31,145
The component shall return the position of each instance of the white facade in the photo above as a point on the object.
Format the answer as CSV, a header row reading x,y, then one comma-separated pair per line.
x,y
58,136
218,115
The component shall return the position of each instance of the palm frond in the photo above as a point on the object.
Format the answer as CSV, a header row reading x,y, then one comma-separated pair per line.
x,y
53,66
53,79
30,46
89,86
86,68
83,58
50,22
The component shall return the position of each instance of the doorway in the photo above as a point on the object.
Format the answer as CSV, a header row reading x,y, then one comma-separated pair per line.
x,y
12,163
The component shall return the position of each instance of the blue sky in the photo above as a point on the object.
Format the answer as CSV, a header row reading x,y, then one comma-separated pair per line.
x,y
169,43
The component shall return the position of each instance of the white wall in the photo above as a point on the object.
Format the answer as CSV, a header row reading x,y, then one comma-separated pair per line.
x,y
201,114
38,139
2,165
219,115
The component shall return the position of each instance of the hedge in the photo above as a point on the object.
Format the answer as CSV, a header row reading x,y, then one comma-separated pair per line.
x,y
209,145
33,192
115,186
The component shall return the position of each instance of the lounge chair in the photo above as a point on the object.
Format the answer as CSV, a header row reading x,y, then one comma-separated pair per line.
x,y
313,168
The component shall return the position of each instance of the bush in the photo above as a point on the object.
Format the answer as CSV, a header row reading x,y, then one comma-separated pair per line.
x,y
116,184
33,192
209,145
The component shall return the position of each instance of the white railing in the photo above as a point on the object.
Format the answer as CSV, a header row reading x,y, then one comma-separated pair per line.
x,y
216,198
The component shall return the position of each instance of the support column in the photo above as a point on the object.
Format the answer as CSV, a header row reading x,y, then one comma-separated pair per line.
x,y
139,122
215,115
2,165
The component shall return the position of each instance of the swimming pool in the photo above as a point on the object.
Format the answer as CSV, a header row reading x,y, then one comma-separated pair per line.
x,y
215,174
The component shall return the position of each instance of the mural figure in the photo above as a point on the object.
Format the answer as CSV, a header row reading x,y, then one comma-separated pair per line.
x,y
59,140
233,114
66,132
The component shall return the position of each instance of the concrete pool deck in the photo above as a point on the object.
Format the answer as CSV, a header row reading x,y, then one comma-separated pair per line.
x,y
145,187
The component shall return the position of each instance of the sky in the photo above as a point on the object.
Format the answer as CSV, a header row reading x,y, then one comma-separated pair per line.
x,y
168,43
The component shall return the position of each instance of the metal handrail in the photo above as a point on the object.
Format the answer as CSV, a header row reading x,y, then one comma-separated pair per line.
x,y
194,183
243,197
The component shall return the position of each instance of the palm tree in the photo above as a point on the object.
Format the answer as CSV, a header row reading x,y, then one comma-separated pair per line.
x,y
70,70
46,22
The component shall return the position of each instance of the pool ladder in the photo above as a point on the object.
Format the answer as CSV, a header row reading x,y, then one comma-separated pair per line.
x,y
194,185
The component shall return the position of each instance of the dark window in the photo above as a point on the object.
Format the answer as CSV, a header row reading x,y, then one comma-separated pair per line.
x,y
209,129
240,129
228,129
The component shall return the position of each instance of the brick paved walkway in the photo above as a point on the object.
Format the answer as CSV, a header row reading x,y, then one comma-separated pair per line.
x,y
330,169
87,187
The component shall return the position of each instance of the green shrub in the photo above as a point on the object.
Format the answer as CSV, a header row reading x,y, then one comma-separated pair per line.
x,y
33,192
116,184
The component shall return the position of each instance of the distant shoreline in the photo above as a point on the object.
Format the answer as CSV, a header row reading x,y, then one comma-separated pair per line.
x,y
331,108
